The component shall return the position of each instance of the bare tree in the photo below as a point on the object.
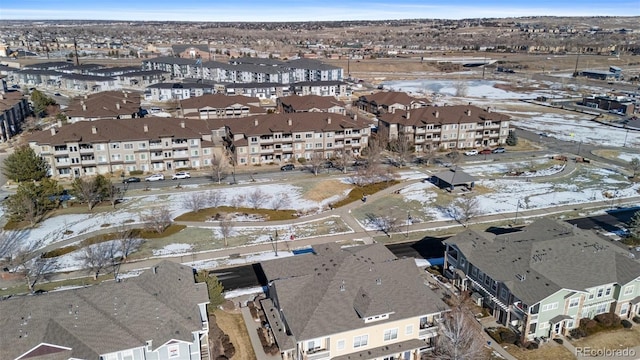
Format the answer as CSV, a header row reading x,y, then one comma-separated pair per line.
x,y
384,223
257,198
316,162
468,208
127,242
98,257
403,149
91,190
194,201
219,166
237,200
30,262
342,160
215,198
280,201
634,164
226,228
461,88
10,242
114,194
157,219
459,338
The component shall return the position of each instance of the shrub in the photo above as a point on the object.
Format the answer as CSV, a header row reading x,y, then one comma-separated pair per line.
x,y
636,319
136,172
532,345
608,319
558,340
59,251
578,333
502,335
626,324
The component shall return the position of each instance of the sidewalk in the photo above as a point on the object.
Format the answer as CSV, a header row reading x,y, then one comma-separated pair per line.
x,y
252,329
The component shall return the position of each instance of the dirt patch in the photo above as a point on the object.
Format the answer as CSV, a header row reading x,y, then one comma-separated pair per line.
x,y
550,350
326,189
607,154
617,339
232,324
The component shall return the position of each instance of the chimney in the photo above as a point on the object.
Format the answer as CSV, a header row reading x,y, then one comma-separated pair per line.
x,y
125,94
86,97
488,109
329,120
408,115
355,117
94,130
436,114
84,107
118,106
468,112
124,101
53,131
182,124
146,128
59,123
289,122
255,122
1,96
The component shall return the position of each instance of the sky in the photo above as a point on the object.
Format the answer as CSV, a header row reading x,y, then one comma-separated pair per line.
x,y
305,10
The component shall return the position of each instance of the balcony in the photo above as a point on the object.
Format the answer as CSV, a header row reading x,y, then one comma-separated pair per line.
x,y
155,145
428,332
319,354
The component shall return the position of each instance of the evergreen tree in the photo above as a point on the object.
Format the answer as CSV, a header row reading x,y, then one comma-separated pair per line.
x,y
41,102
512,139
214,287
25,165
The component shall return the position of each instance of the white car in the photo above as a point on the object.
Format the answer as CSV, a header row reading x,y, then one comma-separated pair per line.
x,y
181,175
154,177
471,152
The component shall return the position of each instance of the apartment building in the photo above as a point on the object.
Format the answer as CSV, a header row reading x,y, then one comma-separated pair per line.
x,y
122,146
388,102
277,138
321,88
445,127
104,105
540,281
215,106
310,103
167,91
161,314
14,109
350,303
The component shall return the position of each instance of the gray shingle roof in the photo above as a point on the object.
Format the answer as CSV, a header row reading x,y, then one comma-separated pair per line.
x,y
545,257
158,306
322,293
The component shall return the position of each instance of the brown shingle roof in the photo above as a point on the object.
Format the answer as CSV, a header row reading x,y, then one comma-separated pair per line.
x,y
293,122
104,105
216,101
442,115
9,99
309,102
391,97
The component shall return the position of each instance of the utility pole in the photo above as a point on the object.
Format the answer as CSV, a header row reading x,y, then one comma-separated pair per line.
x,y
575,72
75,47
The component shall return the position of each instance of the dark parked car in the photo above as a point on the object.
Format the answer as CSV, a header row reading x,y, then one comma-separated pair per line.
x,y
287,167
131,179
498,150
485,151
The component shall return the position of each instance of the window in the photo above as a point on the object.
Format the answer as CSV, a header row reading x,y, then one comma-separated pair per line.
x,y
624,309
100,147
308,136
570,324
195,152
591,294
128,146
173,351
340,345
544,325
194,141
390,334
474,272
254,139
129,157
573,302
298,136
359,341
313,344
494,286
628,290
548,307
601,308
143,156
607,292
115,157
115,145
503,294
487,280
142,145
600,292
408,330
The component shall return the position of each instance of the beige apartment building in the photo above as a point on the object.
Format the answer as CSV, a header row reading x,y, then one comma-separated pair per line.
x,y
122,146
446,127
350,303
277,138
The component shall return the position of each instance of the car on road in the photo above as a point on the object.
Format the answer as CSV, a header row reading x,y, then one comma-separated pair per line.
x,y
57,94
181,175
498,150
154,177
471,152
131,180
485,151
287,167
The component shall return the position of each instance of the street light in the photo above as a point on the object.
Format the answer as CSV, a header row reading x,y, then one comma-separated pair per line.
x,y
515,221
408,222
625,136
274,243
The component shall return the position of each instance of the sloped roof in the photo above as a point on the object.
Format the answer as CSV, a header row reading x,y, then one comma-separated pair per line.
x,y
545,257
216,101
322,293
455,114
308,121
9,99
104,105
309,102
112,316
391,97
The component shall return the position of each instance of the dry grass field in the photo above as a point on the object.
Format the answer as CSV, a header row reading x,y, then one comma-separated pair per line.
x,y
233,325
617,339
548,351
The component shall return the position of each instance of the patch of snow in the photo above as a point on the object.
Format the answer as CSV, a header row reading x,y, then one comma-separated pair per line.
x,y
172,249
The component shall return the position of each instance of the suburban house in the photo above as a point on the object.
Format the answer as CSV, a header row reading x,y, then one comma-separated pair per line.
x,y
276,138
616,104
541,280
389,102
14,109
346,303
161,314
104,105
445,127
310,103
214,106
121,146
